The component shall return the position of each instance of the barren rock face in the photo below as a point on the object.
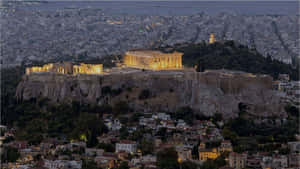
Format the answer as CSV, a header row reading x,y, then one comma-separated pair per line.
x,y
207,92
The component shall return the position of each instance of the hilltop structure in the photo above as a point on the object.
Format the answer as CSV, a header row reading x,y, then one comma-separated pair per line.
x,y
212,38
67,68
143,59
153,60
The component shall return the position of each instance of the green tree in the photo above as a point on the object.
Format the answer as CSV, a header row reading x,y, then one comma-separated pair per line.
x,y
89,126
124,133
162,132
10,155
229,135
87,164
124,120
146,146
292,110
135,117
106,147
167,159
189,165
123,165
145,94
121,107
195,153
186,113
214,163
209,164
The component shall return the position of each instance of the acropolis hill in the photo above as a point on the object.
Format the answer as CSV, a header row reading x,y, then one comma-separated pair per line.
x,y
153,60
206,92
66,68
140,59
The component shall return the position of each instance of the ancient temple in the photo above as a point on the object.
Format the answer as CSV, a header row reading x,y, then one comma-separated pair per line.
x,y
67,68
154,60
88,69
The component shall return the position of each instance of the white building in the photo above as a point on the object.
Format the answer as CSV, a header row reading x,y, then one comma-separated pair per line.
x,y
237,161
62,164
181,124
93,152
276,162
113,124
184,152
294,146
127,146
163,116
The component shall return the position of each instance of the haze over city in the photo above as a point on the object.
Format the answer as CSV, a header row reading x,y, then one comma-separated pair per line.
x,y
149,84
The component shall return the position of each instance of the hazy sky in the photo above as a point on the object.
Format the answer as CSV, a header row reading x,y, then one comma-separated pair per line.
x,y
177,0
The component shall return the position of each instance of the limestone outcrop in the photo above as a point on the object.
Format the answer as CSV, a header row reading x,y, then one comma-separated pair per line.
x,y
206,92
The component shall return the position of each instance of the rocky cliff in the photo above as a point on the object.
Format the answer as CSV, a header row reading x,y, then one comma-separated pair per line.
x,y
206,92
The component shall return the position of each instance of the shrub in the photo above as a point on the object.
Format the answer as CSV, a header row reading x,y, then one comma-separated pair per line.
x,y
145,94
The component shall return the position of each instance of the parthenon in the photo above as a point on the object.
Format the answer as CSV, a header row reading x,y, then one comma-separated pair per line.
x,y
141,59
154,60
67,68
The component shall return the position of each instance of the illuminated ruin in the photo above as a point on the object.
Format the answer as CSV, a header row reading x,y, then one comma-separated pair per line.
x,y
67,68
142,59
88,69
154,60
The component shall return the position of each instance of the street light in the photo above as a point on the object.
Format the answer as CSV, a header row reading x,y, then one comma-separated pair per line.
x,y
179,160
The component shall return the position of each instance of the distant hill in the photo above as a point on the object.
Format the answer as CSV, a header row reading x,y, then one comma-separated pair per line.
x,y
231,55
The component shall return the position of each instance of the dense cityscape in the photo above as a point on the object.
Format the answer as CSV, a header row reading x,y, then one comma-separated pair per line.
x,y
29,35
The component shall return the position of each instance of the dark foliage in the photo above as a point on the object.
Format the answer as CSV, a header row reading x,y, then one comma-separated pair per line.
x,y
167,159
292,110
186,113
10,78
234,56
145,94
9,154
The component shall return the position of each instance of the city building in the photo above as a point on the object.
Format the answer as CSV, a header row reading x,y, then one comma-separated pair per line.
x,y
275,162
153,60
205,154
225,146
294,160
284,77
294,146
237,161
62,164
127,146
184,152
114,124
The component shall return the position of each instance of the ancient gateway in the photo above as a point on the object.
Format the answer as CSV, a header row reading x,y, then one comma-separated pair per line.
x,y
153,60
67,68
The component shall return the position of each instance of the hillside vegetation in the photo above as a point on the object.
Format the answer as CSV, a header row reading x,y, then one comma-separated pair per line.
x,y
231,55
39,119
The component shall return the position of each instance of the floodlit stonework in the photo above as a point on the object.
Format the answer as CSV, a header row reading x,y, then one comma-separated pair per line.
x,y
88,69
212,38
67,68
153,60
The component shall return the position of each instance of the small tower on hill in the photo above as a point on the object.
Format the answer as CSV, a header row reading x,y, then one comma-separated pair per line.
x,y
212,38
